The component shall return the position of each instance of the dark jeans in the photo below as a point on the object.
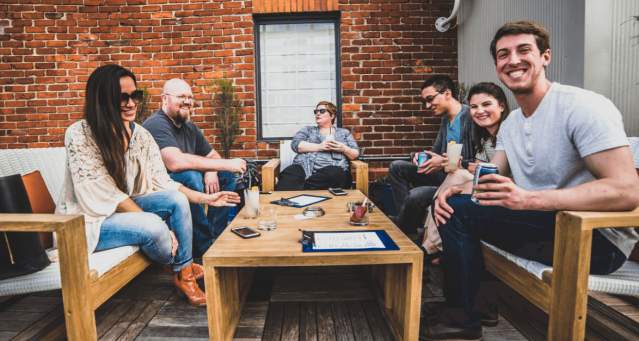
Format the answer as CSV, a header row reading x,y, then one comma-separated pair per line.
x,y
527,234
293,178
413,193
206,227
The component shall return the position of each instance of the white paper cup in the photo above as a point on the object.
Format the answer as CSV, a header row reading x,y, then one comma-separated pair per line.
x,y
453,152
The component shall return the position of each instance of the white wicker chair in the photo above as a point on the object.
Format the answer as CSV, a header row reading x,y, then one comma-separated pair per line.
x,y
86,281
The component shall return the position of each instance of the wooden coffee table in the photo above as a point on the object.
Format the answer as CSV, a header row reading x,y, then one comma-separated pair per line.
x,y
229,264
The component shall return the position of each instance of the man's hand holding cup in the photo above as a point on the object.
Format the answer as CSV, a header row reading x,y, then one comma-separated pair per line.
x,y
435,162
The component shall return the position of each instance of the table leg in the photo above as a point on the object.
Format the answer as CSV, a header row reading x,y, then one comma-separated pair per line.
x,y
402,293
226,290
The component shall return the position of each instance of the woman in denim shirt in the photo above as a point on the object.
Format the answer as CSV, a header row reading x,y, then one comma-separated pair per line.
x,y
323,154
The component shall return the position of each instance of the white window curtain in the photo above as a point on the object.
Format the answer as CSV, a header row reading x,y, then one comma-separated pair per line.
x,y
297,70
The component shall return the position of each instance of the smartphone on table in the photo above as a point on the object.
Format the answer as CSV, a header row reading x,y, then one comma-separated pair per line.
x,y
245,232
337,191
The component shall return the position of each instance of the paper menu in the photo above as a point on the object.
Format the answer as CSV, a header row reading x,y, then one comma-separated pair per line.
x,y
349,240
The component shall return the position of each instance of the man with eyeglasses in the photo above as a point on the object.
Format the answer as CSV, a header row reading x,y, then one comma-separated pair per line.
x,y
192,161
564,148
415,185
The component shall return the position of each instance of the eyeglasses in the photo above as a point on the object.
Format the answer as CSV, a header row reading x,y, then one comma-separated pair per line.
x,y
319,111
182,98
430,99
137,96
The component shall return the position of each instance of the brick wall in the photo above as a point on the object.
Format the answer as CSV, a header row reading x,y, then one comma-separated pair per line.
x,y
47,50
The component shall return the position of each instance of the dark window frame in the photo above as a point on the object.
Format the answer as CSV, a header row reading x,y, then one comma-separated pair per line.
x,y
296,18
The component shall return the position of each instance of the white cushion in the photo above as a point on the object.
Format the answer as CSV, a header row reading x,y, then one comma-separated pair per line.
x,y
624,281
634,146
51,162
49,277
286,154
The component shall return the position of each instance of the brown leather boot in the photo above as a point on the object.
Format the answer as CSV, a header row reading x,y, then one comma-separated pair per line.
x,y
198,270
187,286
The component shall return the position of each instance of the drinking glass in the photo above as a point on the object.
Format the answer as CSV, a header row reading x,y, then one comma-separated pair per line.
x,y
251,203
267,220
358,212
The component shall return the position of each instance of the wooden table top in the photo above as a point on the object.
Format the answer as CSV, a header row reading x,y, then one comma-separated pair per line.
x,y
281,247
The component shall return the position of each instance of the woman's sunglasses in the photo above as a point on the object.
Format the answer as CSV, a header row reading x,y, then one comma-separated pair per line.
x,y
137,96
319,111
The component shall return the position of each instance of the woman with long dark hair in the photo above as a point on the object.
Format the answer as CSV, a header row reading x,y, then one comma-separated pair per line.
x,y
488,109
115,178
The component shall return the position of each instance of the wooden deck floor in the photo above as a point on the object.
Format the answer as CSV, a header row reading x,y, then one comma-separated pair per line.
x,y
286,304
610,317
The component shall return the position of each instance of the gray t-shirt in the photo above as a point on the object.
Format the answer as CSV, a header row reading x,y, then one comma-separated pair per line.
x,y
546,150
487,153
187,138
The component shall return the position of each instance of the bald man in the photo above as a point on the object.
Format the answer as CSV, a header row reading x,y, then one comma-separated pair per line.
x,y
192,161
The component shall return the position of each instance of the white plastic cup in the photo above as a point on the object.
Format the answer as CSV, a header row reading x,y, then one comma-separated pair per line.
x,y
331,137
453,152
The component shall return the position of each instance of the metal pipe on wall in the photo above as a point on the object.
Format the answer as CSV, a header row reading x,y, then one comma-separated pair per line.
x,y
443,24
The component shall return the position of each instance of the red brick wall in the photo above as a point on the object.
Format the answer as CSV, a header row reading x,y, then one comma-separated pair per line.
x,y
47,51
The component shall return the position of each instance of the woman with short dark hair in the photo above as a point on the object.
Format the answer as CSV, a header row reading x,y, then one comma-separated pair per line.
x,y
323,154
115,177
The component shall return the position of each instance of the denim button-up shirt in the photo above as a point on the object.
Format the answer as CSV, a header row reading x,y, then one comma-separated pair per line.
x,y
312,134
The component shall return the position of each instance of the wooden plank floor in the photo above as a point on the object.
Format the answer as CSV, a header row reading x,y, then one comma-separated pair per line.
x,y
284,304
610,317
323,304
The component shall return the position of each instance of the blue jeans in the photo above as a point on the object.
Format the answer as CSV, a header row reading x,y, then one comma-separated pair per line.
x,y
206,227
413,193
528,234
150,229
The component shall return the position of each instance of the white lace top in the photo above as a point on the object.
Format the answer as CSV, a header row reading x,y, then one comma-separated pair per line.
x,y
89,189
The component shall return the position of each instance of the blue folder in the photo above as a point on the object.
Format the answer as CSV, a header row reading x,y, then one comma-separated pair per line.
x,y
308,237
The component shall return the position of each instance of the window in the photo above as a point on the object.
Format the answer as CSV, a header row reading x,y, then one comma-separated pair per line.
x,y
297,67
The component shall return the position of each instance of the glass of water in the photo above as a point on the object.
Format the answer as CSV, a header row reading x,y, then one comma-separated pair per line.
x,y
251,203
267,220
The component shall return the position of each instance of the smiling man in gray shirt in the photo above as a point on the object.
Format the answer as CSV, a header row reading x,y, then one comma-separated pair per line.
x,y
192,161
565,148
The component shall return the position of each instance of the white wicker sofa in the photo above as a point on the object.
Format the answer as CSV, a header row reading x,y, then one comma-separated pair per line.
x,y
86,281
562,290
